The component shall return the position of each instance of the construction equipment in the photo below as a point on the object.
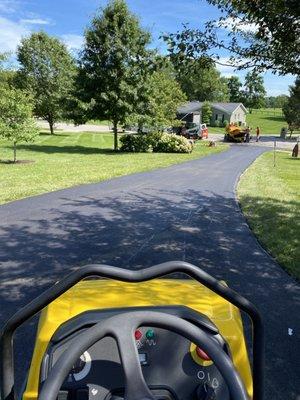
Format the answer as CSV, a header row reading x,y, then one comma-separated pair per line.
x,y
133,336
237,134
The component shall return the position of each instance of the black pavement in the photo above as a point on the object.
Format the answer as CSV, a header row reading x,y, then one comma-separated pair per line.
x,y
184,212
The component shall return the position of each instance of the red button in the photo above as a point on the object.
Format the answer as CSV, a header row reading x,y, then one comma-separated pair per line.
x,y
202,354
138,334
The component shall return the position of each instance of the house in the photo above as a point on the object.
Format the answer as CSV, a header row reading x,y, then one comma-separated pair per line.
x,y
231,112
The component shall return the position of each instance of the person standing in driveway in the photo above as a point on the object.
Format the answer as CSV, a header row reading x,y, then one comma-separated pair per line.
x,y
257,133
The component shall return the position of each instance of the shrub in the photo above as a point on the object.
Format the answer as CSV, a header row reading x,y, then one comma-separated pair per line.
x,y
170,143
135,143
225,123
154,138
216,123
157,141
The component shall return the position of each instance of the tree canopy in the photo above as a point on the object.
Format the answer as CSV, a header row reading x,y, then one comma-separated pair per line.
x,y
48,70
16,121
234,88
263,34
114,64
254,93
291,109
202,83
164,96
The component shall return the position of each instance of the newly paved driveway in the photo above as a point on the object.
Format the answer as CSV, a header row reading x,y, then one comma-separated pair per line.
x,y
184,212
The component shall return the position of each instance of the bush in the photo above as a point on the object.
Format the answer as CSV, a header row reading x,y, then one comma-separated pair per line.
x,y
216,123
225,123
170,143
157,141
135,143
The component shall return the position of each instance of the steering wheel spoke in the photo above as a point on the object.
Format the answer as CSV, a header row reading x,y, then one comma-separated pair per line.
x,y
135,385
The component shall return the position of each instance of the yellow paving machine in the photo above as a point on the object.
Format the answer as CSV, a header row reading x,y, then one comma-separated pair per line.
x,y
138,335
237,134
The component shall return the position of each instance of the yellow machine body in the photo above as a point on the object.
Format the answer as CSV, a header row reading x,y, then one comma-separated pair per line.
x,y
102,294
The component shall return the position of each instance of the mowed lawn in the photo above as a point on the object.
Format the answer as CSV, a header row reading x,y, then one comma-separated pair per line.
x,y
270,121
270,199
68,159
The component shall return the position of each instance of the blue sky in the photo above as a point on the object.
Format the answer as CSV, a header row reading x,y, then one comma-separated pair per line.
x,y
67,19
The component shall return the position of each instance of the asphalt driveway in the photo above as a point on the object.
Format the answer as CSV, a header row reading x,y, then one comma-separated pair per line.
x,y
184,212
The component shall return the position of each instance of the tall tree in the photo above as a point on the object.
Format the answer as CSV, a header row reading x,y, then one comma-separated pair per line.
x,y
291,109
7,76
202,82
114,64
234,87
48,70
206,112
16,121
164,97
263,34
254,94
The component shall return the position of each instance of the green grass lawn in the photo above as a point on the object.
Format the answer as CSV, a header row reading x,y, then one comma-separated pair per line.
x,y
270,199
68,159
270,121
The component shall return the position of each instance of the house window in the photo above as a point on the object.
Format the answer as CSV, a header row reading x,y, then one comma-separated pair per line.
x,y
216,118
223,117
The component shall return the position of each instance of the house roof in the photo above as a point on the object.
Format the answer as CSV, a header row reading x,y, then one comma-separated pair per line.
x,y
191,107
195,107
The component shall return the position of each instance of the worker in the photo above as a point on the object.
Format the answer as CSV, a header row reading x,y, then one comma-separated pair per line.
x,y
247,135
257,133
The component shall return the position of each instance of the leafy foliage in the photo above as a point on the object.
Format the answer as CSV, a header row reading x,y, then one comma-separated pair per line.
x,y
263,34
135,143
206,112
158,142
276,101
202,82
171,143
16,122
7,76
254,94
234,88
114,65
291,109
164,97
48,70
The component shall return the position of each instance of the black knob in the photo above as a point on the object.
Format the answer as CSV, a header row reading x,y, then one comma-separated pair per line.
x,y
206,392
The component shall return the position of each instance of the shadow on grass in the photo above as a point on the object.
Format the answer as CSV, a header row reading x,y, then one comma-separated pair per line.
x,y
273,118
54,134
49,149
277,224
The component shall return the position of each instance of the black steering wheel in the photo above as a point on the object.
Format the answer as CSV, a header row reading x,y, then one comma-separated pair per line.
x,y
122,327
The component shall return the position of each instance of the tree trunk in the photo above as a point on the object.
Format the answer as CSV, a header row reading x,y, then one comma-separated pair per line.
x,y
51,125
15,152
115,130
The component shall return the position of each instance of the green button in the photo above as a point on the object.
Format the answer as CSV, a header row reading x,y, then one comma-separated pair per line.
x,y
150,334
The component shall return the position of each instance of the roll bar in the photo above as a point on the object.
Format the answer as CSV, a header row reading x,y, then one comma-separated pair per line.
x,y
7,378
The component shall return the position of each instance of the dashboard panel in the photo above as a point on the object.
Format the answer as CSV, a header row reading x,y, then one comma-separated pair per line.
x,y
173,367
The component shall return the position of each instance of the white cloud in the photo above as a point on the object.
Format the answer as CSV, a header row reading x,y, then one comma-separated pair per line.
x,y
72,41
238,25
226,68
9,6
35,21
10,34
